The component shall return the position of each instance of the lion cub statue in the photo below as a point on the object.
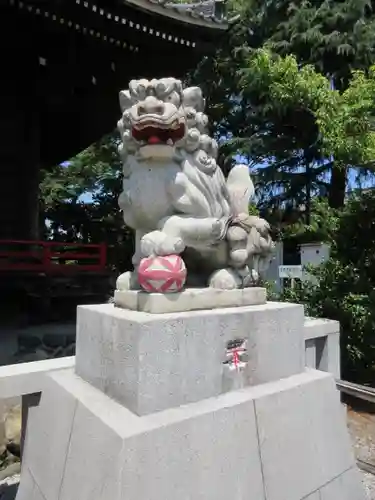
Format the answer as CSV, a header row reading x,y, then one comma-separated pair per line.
x,y
175,196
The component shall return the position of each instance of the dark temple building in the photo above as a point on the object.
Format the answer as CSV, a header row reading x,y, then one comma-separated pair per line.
x,y
63,63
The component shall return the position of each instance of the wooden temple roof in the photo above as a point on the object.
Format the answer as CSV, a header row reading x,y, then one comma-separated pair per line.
x,y
207,13
78,54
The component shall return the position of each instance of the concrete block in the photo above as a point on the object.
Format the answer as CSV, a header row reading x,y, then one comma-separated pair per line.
x,y
28,489
116,416
310,353
328,354
43,438
313,496
28,378
320,327
37,494
347,486
205,451
27,486
190,299
213,455
153,362
283,440
323,335
302,430
28,401
92,468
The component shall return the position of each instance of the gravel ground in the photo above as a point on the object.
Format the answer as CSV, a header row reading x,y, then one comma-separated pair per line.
x,y
362,430
361,426
369,484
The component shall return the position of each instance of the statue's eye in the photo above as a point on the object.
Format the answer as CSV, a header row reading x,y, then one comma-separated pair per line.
x,y
173,98
160,89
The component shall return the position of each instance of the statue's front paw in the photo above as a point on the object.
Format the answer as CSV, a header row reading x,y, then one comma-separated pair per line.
x,y
127,281
159,243
225,279
238,257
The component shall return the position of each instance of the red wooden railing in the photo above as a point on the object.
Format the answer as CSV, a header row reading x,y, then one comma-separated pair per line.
x,y
51,256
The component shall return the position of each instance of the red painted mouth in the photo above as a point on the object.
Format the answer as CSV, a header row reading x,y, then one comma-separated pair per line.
x,y
157,135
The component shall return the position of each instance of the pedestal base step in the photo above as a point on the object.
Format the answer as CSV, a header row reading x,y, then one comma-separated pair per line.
x,y
286,440
191,299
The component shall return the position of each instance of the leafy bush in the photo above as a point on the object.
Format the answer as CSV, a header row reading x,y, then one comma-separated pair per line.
x,y
322,228
344,288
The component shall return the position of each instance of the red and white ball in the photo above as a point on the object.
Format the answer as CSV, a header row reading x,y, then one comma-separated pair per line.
x,y
166,274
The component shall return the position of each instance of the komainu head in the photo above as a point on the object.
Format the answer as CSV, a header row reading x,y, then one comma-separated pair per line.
x,y
159,117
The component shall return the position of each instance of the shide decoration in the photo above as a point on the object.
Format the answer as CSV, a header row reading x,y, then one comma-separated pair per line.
x,y
236,354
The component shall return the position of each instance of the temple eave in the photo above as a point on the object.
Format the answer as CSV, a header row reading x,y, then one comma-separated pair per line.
x,y
178,13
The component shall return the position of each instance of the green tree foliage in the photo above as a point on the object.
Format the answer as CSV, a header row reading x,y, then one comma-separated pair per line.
x,y
273,109
80,201
343,121
322,228
346,121
335,37
288,119
344,287
283,98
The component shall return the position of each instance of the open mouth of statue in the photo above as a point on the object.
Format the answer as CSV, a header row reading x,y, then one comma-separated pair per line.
x,y
153,133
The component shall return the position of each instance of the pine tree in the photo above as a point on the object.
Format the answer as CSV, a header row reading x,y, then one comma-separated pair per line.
x,y
336,37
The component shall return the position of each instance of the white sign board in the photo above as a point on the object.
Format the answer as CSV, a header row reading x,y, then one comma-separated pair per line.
x,y
292,272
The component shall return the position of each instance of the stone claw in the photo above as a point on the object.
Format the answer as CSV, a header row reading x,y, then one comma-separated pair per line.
x,y
159,243
217,229
127,281
225,279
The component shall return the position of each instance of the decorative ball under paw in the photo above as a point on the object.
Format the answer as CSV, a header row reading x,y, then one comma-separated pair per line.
x,y
164,274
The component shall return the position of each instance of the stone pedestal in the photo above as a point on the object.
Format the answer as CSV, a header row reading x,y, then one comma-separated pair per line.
x,y
154,411
151,362
190,299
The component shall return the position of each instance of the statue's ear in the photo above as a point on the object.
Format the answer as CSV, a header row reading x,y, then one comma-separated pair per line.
x,y
193,98
126,101
178,87
138,89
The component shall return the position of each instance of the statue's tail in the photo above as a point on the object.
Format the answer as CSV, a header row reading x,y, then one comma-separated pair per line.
x,y
241,189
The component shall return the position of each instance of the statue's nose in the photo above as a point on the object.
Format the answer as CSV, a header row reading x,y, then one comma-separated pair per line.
x,y
151,105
